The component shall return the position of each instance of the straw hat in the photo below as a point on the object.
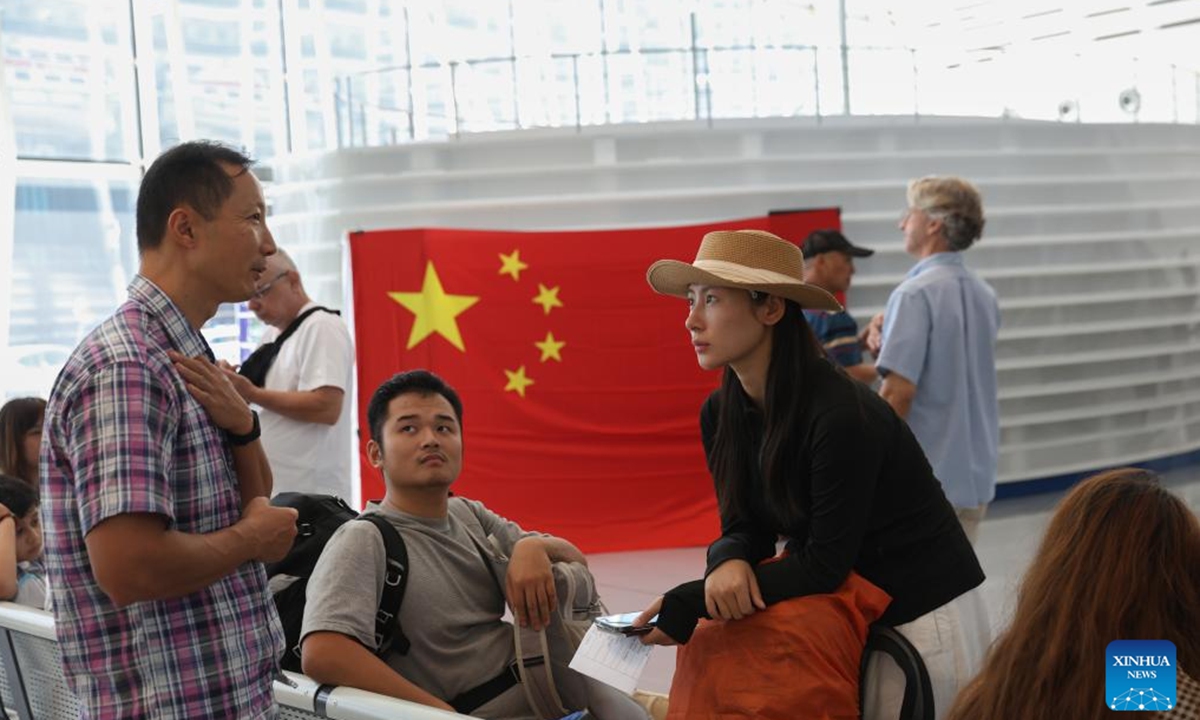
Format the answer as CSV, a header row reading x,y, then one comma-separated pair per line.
x,y
749,259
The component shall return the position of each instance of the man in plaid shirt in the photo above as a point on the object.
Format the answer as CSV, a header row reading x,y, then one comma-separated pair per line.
x,y
154,483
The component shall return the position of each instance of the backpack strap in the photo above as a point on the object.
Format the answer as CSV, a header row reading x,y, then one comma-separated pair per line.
x,y
255,367
388,633
532,665
488,690
294,325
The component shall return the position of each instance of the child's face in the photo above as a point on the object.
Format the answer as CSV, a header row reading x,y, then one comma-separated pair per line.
x,y
29,536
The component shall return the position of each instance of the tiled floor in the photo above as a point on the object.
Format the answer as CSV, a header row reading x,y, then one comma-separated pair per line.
x,y
1008,538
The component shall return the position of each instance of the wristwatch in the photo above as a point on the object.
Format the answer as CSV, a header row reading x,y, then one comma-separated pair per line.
x,y
240,440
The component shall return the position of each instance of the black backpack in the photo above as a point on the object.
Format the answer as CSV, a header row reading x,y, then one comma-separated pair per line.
x,y
319,517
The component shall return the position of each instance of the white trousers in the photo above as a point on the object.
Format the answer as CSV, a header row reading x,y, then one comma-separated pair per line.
x,y
952,641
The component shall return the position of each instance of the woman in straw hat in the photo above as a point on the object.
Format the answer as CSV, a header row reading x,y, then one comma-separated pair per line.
x,y
800,451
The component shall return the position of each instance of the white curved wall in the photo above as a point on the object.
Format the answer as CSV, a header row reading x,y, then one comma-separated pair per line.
x,y
1092,241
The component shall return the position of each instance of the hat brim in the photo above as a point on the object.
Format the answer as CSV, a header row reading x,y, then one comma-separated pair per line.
x,y
856,251
672,277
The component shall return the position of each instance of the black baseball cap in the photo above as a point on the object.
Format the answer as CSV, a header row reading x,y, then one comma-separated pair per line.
x,y
823,241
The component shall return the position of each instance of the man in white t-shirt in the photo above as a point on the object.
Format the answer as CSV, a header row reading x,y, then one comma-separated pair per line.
x,y
301,378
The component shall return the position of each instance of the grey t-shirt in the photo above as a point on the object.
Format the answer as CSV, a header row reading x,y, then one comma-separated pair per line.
x,y
452,609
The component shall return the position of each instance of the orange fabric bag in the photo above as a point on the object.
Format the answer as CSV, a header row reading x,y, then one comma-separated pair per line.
x,y
796,660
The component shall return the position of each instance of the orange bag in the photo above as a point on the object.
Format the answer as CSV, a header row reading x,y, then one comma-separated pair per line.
x,y
797,659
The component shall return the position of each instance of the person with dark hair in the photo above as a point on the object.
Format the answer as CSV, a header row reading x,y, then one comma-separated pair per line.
x,y
1120,560
155,484
829,264
461,653
935,346
800,451
22,579
21,437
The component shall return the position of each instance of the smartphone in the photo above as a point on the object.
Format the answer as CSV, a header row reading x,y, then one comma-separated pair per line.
x,y
623,623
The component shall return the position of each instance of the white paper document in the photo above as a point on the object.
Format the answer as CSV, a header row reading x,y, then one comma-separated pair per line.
x,y
611,658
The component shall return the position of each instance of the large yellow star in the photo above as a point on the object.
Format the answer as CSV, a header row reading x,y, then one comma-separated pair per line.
x,y
550,347
517,381
512,265
547,298
435,311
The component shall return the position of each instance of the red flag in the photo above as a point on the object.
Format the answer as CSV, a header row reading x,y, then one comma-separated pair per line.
x,y
581,392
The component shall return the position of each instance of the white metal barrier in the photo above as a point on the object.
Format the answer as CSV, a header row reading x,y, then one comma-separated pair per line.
x,y
32,685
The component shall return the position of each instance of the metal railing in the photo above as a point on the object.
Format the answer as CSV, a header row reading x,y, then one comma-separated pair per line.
x,y
445,100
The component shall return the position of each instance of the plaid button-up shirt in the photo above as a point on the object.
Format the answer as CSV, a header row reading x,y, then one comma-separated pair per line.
x,y
124,436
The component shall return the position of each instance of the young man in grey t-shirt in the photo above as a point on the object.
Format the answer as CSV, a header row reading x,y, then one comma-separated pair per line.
x,y
461,650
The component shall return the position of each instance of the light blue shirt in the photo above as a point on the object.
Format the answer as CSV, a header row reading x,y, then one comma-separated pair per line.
x,y
939,332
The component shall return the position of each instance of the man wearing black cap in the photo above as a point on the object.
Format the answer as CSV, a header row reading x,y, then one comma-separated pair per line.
x,y
829,264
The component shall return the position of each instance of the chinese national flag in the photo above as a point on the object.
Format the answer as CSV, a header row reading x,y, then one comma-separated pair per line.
x,y
579,383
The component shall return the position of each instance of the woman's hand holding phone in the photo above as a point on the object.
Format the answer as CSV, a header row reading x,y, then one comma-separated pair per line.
x,y
654,636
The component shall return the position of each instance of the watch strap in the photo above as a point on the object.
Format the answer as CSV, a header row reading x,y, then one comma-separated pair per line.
x,y
240,440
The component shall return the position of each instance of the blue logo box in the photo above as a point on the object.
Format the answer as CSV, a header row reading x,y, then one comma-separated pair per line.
x,y
1140,675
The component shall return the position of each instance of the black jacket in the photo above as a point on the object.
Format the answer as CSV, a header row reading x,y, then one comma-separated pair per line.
x,y
869,503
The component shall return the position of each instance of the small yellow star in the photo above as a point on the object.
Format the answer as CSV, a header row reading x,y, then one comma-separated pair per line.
x,y
512,265
550,347
435,310
547,298
517,381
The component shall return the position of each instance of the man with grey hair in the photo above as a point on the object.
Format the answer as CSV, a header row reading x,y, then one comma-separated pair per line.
x,y
301,378
935,345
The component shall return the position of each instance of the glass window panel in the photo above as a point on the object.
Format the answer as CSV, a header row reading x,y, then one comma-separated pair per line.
x,y
725,23
650,86
543,27
212,3
347,42
796,23
642,24
218,76
69,71
315,126
353,6
445,30
433,105
765,82
202,36
385,115
785,82
726,82
74,252
549,92
62,20
311,97
485,96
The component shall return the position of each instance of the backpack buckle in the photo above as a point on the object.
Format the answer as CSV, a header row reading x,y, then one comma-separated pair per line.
x,y
394,574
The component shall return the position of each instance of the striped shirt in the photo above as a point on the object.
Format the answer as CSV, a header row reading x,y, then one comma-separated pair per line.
x,y
838,334
124,436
